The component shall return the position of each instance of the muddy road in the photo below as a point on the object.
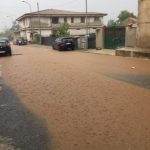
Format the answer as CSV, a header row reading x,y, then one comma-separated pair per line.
x,y
19,128
78,101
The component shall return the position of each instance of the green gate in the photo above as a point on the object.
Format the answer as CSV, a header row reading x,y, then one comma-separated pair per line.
x,y
92,41
114,37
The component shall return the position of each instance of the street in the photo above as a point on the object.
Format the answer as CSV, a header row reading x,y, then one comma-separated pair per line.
x,y
71,100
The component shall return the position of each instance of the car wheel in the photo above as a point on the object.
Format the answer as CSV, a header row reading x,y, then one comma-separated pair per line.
x,y
59,48
9,53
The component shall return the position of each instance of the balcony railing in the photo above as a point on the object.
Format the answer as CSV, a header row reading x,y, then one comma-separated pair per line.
x,y
72,25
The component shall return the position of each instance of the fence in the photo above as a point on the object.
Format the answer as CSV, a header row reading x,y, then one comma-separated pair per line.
x,y
47,40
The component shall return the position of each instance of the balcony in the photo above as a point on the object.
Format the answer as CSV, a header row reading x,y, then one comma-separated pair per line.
x,y
42,25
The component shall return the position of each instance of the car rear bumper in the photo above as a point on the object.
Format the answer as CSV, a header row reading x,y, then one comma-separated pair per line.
x,y
5,51
66,46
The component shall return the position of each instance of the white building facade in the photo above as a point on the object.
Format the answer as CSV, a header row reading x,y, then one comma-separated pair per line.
x,y
45,21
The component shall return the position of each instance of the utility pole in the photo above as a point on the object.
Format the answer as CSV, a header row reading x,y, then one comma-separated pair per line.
x,y
30,24
86,24
39,22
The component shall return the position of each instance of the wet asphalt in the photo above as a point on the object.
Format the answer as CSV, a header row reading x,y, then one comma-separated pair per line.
x,y
138,80
19,128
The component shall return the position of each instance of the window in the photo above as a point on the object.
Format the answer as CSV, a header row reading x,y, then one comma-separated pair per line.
x,y
82,19
65,19
24,22
55,20
72,20
96,19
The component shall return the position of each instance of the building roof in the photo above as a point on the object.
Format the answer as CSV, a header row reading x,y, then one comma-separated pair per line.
x,y
65,12
56,12
130,21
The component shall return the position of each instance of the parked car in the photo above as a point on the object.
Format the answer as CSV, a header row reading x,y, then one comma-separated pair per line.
x,y
5,39
5,46
21,41
64,43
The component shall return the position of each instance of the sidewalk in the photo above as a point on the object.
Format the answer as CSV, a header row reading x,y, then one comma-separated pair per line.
x,y
133,52
101,52
125,52
93,51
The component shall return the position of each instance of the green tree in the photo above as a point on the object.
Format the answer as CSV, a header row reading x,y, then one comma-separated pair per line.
x,y
111,23
8,32
62,30
15,26
37,38
123,16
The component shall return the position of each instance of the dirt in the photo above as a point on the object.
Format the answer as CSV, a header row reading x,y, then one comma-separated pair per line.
x,y
80,99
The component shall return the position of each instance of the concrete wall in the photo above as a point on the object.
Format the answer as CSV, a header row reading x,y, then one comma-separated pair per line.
x,y
23,34
77,20
61,20
100,38
24,23
143,35
77,32
130,37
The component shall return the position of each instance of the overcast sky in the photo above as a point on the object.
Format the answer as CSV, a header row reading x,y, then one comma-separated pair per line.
x,y
11,9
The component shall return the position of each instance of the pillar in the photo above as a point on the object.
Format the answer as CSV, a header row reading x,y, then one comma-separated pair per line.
x,y
143,32
100,38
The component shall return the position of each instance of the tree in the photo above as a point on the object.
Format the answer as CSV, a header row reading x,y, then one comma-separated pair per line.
x,y
15,26
123,16
111,23
62,30
8,32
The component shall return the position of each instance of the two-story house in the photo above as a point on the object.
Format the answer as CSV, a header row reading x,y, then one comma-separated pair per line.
x,y
43,22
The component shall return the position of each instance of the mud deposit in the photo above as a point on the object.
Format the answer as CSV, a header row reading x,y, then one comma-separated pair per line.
x,y
80,98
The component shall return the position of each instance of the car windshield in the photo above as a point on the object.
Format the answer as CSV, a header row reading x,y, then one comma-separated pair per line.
x,y
58,39
4,39
67,40
2,42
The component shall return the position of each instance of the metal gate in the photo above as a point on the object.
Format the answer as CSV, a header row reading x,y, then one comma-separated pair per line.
x,y
92,41
48,40
114,37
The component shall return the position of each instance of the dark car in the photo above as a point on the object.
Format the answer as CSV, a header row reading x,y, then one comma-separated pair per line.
x,y
21,41
5,38
5,46
64,43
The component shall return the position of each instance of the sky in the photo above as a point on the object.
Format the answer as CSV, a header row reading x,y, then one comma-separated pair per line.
x,y
12,9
